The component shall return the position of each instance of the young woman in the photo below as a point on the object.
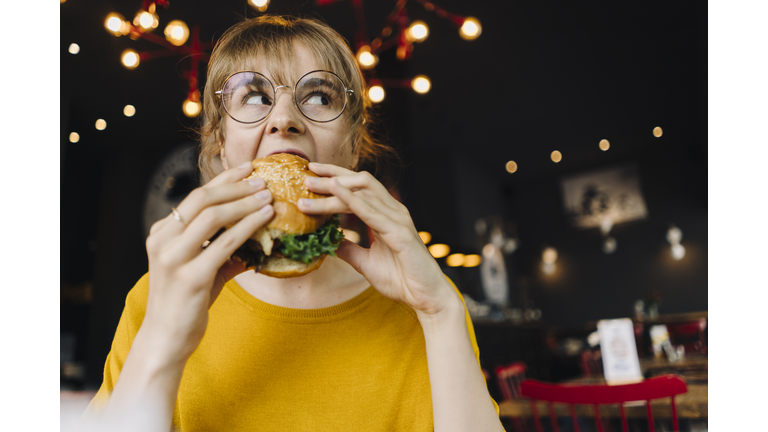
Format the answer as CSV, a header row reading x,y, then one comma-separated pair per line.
x,y
377,339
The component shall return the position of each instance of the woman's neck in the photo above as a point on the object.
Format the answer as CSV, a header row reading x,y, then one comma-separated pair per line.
x,y
335,282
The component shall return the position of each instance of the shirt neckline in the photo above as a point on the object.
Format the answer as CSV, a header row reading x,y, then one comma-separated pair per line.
x,y
281,313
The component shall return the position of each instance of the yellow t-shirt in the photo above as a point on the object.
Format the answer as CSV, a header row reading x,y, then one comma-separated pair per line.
x,y
357,366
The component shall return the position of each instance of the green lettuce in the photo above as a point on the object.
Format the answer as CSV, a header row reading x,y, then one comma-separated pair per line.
x,y
306,247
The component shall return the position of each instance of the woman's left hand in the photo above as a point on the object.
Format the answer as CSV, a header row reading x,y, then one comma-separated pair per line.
x,y
398,263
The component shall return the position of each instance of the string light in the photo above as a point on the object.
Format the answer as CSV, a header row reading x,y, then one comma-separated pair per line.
x,y
473,260
376,93
455,260
556,156
425,236
260,5
417,31
74,137
130,59
421,84
365,58
74,48
549,255
511,167
191,108
674,237
116,24
657,132
177,32
146,20
439,250
101,124
129,110
604,145
470,29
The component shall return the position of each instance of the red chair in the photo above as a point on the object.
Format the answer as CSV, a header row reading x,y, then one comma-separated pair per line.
x,y
509,378
654,388
690,335
591,363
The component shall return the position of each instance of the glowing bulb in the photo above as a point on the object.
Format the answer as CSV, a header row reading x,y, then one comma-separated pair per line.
x,y
471,29
115,24
556,156
376,93
455,260
511,166
417,31
191,108
674,235
657,132
261,5
365,58
177,32
609,245
678,251
101,124
473,260
549,256
425,236
129,110
439,250
74,48
146,20
488,250
352,236
421,84
548,268
130,59
604,145
74,137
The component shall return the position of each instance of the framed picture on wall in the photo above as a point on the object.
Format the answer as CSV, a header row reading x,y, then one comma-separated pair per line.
x,y
612,194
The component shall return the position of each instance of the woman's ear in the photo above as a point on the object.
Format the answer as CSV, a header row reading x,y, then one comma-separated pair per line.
x,y
222,156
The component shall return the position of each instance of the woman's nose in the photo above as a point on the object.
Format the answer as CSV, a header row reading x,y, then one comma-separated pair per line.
x,y
285,118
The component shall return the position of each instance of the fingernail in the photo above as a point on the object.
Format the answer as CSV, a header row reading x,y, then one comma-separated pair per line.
x,y
263,195
305,202
244,165
258,182
266,209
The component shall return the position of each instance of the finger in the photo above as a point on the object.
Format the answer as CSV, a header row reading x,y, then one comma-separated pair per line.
x,y
208,196
353,254
379,218
212,219
219,251
328,170
231,175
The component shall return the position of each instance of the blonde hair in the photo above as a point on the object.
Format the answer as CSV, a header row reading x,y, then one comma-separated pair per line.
x,y
271,38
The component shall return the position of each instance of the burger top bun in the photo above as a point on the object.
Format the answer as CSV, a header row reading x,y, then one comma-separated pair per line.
x,y
284,174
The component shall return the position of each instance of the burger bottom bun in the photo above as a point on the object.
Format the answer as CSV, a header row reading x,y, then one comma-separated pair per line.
x,y
286,268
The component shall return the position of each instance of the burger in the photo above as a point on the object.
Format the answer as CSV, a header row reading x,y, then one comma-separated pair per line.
x,y
292,243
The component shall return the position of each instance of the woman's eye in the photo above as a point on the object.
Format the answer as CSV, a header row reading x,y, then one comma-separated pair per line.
x,y
317,100
257,100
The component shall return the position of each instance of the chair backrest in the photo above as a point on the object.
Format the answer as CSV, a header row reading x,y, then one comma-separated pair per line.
x,y
509,377
654,388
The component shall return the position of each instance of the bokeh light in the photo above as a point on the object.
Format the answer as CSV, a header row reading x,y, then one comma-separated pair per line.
x,y
473,260
549,255
177,32
116,24
471,29
657,131
365,58
425,236
604,145
376,93
556,156
417,31
74,137
129,110
439,250
191,108
146,21
130,59
455,260
511,167
101,124
74,48
678,251
421,84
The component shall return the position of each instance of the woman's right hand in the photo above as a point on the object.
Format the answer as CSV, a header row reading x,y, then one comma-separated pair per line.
x,y
184,278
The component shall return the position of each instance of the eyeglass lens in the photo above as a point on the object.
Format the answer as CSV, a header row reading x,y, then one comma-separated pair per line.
x,y
249,96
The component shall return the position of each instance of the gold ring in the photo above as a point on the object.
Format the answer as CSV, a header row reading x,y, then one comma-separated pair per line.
x,y
177,216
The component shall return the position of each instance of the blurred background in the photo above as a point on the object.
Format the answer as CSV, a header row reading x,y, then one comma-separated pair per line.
x,y
554,158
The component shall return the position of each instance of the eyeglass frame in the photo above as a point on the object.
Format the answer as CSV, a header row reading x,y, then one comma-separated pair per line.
x,y
347,94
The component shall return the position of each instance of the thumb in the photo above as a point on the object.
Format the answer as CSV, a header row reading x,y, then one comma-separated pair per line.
x,y
353,254
226,273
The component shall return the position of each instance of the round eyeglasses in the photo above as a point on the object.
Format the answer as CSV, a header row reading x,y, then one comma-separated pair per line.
x,y
248,97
